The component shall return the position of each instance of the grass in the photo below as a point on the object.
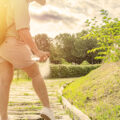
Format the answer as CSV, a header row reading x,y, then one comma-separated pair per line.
x,y
33,107
98,93
60,99
27,94
21,80
61,81
28,108
11,103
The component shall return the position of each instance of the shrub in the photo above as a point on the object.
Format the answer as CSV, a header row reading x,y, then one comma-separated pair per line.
x,y
65,71
85,63
62,71
63,61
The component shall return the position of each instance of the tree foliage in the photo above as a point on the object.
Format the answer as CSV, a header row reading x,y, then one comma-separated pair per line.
x,y
66,48
107,34
43,42
73,48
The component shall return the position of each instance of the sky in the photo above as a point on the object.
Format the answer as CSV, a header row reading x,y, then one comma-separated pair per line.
x,y
67,16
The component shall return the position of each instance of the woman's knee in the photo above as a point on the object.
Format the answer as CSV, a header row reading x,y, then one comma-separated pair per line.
x,y
32,70
6,66
6,73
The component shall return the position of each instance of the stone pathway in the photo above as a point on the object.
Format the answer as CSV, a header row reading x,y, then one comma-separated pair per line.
x,y
25,105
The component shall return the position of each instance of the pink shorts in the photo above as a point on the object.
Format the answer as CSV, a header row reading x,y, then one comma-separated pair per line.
x,y
16,52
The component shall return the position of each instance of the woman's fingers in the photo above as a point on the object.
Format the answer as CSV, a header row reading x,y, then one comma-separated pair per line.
x,y
48,54
44,58
43,55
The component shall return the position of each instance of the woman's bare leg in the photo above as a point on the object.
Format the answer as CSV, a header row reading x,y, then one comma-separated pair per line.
x,y
6,75
38,83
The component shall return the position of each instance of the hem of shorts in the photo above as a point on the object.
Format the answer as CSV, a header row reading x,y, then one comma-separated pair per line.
x,y
5,59
15,66
27,65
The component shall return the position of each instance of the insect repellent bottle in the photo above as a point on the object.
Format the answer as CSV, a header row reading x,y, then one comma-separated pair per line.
x,y
44,66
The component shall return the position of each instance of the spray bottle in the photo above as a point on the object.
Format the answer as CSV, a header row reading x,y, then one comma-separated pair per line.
x,y
44,67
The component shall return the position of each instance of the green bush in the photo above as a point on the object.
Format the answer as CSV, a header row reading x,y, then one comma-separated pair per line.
x,y
66,71
63,61
85,63
61,71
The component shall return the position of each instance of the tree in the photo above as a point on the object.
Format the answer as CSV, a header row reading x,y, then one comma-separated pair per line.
x,y
73,48
43,42
107,35
65,43
83,45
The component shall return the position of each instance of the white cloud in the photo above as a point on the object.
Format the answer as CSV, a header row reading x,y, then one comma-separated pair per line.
x,y
60,16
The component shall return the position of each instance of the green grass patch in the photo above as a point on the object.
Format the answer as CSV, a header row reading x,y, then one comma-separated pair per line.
x,y
27,94
11,103
20,80
98,93
33,107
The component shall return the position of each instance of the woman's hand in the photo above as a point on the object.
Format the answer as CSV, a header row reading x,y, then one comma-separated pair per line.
x,y
26,38
42,55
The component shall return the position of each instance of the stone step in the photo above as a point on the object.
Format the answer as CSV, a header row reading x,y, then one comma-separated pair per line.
x,y
25,105
25,117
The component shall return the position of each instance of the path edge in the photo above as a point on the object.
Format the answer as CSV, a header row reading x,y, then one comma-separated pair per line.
x,y
71,109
